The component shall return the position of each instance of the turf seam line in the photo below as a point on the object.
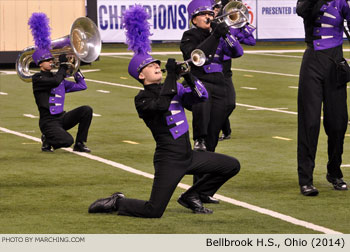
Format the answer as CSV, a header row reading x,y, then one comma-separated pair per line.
x,y
261,210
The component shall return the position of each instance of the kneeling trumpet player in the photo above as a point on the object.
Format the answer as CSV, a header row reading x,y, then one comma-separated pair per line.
x,y
161,106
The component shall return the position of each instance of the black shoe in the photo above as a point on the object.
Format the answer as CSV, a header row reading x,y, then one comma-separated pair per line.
x,y
45,146
193,203
224,137
338,183
106,205
308,190
199,145
81,147
208,199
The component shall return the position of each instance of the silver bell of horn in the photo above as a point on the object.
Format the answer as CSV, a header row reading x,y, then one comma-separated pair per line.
x,y
198,58
82,44
235,14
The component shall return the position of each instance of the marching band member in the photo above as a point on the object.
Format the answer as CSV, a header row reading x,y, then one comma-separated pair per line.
x,y
245,36
216,41
49,91
321,82
161,106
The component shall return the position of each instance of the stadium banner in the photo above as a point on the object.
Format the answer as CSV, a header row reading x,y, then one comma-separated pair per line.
x,y
168,19
274,19
278,20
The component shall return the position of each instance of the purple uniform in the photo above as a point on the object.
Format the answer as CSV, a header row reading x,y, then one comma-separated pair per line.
x,y
319,83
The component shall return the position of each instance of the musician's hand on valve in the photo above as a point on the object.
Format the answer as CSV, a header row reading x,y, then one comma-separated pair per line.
x,y
171,66
221,30
63,58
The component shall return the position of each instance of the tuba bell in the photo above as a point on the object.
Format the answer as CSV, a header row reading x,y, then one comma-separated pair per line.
x,y
82,44
235,14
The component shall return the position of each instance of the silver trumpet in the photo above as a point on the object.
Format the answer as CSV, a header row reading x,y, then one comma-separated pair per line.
x,y
198,58
82,44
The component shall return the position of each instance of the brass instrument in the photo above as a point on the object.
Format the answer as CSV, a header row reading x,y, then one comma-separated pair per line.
x,y
198,58
82,44
235,14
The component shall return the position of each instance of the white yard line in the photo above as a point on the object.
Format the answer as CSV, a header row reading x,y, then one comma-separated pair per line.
x,y
249,88
120,55
280,55
264,72
238,104
14,72
180,53
258,209
103,91
30,116
130,142
131,53
246,51
8,72
267,109
282,138
113,84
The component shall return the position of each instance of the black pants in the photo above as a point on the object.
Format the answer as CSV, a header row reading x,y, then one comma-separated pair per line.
x,y
217,168
317,85
209,116
55,129
230,104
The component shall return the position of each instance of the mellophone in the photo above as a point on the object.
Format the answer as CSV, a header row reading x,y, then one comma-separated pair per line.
x,y
234,14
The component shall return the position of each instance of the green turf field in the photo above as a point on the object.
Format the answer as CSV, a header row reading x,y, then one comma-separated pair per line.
x,y
51,192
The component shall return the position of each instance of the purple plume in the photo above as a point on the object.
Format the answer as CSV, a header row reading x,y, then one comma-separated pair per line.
x,y
39,24
137,29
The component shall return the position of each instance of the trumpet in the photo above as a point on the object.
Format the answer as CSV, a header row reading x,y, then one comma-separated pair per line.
x,y
198,58
235,14
82,44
